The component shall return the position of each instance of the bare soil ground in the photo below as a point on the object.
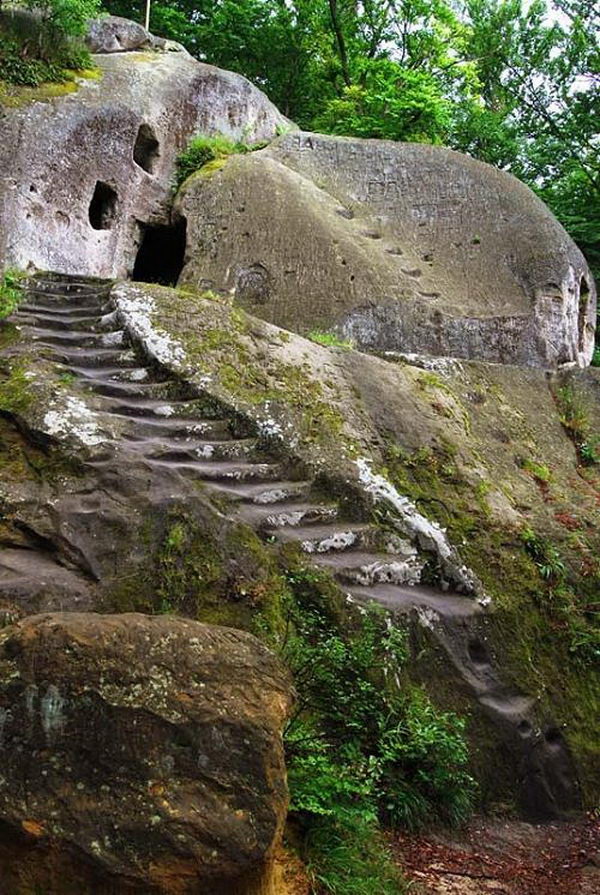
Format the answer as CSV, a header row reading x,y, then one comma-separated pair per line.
x,y
505,857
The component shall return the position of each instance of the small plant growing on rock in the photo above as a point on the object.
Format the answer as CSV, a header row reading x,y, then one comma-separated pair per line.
x,y
10,292
575,420
329,340
203,150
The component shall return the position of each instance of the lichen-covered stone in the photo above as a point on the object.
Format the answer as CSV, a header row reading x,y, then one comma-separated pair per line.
x,y
402,247
142,752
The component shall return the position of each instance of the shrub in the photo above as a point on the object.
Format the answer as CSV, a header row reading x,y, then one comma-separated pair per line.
x,y
351,859
10,292
42,44
352,722
361,748
202,150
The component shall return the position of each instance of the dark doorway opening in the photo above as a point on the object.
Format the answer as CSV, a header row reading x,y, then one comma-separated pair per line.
x,y
146,149
161,254
103,207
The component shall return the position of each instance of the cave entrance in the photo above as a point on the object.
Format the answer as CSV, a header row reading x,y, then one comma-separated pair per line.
x,y
103,207
161,253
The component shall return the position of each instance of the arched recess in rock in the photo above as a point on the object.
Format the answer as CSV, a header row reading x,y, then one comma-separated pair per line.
x,y
146,150
584,302
103,206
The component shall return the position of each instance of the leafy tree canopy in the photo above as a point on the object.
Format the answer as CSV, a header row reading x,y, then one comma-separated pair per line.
x,y
511,82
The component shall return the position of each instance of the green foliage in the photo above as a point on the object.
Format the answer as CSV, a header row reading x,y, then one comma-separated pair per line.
x,y
202,150
358,744
329,340
575,420
545,556
10,292
538,470
44,44
362,747
575,613
351,859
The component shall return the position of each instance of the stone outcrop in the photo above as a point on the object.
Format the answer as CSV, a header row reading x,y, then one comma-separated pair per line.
x,y
400,247
114,34
81,176
143,752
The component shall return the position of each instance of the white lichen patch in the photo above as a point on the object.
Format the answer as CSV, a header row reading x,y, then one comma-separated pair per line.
x,y
427,533
136,310
444,366
339,540
75,419
398,572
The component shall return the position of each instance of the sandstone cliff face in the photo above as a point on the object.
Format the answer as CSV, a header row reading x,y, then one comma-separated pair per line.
x,y
80,175
139,755
401,247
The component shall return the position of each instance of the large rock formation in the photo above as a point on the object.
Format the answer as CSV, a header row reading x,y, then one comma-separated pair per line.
x,y
401,247
139,755
81,176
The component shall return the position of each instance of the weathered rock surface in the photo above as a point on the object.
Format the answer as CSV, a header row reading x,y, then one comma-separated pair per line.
x,y
402,247
114,34
82,174
143,752
242,426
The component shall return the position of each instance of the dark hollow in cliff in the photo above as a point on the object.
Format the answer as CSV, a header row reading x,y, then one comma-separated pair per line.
x,y
146,150
103,207
161,253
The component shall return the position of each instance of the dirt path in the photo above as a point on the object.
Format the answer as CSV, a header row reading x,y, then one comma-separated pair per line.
x,y
505,857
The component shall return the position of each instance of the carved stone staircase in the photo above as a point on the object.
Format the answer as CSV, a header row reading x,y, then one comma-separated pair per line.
x,y
171,428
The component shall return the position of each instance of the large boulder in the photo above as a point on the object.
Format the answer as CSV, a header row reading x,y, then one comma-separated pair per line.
x,y
114,34
82,175
139,754
401,247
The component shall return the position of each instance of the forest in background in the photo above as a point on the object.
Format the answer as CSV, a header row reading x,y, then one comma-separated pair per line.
x,y
511,83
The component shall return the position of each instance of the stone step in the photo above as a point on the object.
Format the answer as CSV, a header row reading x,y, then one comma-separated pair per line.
x,y
162,391
193,449
288,513
219,470
404,598
142,408
67,287
78,338
70,311
113,374
97,357
356,567
277,493
323,538
60,323
176,427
